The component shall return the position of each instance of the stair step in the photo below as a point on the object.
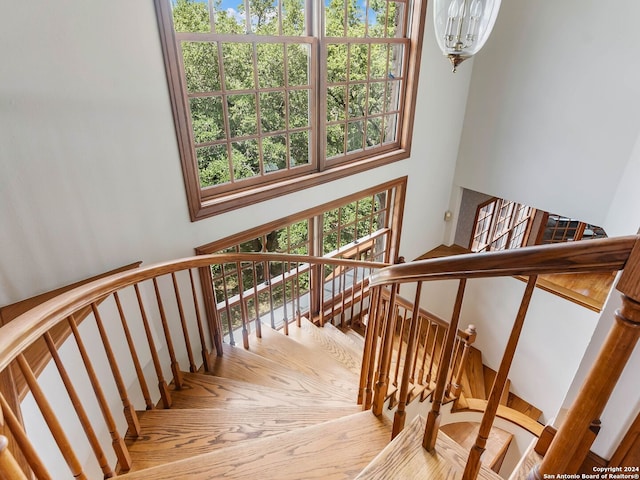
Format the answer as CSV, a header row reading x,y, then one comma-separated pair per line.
x,y
312,360
171,435
473,383
406,458
523,406
208,391
346,336
514,416
489,378
332,341
333,450
465,434
237,363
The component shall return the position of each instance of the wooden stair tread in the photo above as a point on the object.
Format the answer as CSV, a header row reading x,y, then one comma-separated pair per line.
x,y
507,413
171,435
473,382
489,378
405,458
335,345
236,363
312,360
333,450
465,434
346,336
523,406
208,391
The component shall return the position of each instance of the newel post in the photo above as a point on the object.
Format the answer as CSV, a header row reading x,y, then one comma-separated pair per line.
x,y
604,374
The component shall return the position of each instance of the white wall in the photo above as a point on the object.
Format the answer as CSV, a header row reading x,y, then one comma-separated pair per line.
x,y
623,218
90,177
552,113
89,172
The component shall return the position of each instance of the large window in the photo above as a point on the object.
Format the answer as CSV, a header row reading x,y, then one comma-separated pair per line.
x,y
364,226
268,91
501,225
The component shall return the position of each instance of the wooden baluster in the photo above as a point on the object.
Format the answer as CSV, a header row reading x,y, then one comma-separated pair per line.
x,y
244,314
119,447
368,354
183,323
9,389
421,373
285,324
50,418
80,411
321,283
128,409
342,285
175,368
20,437
256,302
333,295
455,358
226,303
134,355
207,286
416,354
400,414
603,376
433,417
268,280
9,468
165,396
206,361
401,344
456,384
432,354
473,462
298,312
385,355
354,281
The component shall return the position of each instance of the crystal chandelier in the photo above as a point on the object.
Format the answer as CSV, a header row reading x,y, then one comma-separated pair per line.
x,y
463,26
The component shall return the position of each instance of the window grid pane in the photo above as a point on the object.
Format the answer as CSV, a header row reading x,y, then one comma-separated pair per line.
x,y
240,115
222,62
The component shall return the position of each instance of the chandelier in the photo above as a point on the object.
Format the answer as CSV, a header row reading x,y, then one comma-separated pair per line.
x,y
463,26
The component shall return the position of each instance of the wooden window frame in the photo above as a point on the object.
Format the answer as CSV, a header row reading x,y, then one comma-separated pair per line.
x,y
502,228
394,207
204,202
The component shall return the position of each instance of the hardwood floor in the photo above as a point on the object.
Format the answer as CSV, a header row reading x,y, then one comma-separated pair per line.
x,y
286,409
405,458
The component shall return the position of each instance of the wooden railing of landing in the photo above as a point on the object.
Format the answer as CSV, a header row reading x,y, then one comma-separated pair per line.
x,y
175,318
604,255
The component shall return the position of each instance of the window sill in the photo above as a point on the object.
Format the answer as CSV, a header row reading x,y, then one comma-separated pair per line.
x,y
204,208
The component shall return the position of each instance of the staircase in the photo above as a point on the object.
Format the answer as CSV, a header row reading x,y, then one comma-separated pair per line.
x,y
282,409
306,401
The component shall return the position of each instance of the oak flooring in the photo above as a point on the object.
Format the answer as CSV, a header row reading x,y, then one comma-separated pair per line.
x,y
404,458
334,450
171,435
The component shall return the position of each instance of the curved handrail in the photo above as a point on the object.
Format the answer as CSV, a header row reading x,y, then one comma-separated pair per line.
x,y
30,326
479,405
602,255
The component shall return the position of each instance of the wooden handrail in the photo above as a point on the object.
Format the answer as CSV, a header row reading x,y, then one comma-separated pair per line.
x,y
603,376
28,327
601,255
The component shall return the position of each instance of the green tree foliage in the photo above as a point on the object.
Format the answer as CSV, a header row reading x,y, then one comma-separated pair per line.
x,y
270,81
